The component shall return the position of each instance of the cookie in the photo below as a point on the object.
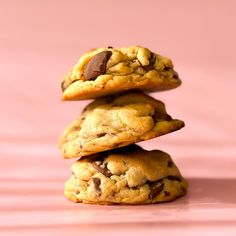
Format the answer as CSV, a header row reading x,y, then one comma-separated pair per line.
x,y
127,175
116,121
105,71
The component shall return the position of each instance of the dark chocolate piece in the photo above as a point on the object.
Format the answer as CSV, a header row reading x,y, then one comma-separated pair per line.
x,y
97,65
152,60
166,68
101,135
102,170
155,189
175,76
97,183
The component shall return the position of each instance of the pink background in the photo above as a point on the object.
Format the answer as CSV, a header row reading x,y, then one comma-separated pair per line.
x,y
41,40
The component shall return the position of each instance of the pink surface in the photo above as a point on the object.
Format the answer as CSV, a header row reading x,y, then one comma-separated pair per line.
x,y
41,40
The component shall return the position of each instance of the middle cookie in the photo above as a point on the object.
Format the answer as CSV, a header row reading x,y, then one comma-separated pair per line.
x,y
116,121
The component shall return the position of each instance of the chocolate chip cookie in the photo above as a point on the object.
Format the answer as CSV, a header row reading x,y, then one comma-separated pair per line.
x,y
116,121
106,71
128,175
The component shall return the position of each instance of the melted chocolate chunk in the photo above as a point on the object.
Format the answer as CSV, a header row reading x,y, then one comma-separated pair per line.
x,y
155,189
97,183
152,60
102,170
101,135
97,65
166,68
175,76
135,188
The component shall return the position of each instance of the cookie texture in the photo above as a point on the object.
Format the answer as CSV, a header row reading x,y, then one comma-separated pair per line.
x,y
127,175
116,121
106,71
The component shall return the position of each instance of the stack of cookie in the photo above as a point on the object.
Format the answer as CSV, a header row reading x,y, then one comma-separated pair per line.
x,y
110,168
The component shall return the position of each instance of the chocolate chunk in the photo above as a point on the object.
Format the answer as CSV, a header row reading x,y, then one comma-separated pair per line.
x,y
135,188
97,183
155,189
173,178
97,65
101,135
175,76
101,169
152,60
110,47
166,68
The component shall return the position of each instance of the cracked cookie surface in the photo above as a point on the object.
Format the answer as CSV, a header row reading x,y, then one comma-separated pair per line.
x,y
116,121
105,71
128,175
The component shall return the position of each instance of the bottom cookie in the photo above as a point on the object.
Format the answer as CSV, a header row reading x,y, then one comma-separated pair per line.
x,y
127,175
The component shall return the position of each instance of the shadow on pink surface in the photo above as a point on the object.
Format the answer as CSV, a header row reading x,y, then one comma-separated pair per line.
x,y
209,202
203,195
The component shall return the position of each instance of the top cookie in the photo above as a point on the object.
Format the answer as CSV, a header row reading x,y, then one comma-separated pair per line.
x,y
106,71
